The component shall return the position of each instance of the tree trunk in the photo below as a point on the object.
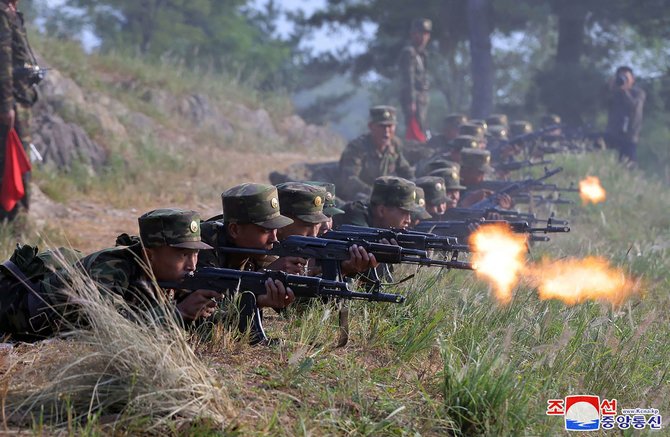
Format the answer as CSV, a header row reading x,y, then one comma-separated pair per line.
x,y
571,21
479,34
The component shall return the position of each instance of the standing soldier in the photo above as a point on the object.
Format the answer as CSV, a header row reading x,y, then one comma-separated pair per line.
x,y
18,73
414,76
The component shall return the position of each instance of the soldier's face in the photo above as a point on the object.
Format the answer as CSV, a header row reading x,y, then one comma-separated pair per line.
x,y
450,132
171,263
299,227
382,134
391,217
453,197
251,236
436,209
420,39
326,226
471,176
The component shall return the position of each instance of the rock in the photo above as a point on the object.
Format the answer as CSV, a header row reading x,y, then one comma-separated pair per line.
x,y
198,109
259,121
43,209
61,143
320,171
300,133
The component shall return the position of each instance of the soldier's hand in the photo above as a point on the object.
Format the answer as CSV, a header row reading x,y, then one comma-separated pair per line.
x,y
359,261
290,264
8,118
276,296
199,304
505,201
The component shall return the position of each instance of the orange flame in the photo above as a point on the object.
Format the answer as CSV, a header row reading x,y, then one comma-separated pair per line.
x,y
499,255
590,190
576,280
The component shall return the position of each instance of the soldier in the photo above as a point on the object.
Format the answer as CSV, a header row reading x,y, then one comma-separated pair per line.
x,y
475,165
377,153
420,213
330,208
549,120
442,192
497,120
392,201
624,114
166,250
17,93
474,130
440,143
414,77
520,127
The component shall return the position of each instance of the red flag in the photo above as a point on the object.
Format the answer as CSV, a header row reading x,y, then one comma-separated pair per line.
x,y
16,165
414,131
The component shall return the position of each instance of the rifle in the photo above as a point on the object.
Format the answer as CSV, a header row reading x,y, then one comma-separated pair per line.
x,y
411,239
514,187
536,199
518,165
227,280
507,214
34,74
462,227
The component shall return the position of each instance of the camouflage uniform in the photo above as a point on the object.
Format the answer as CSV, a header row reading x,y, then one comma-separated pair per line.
x,y
242,204
479,160
330,208
121,273
414,77
420,212
16,92
302,201
361,163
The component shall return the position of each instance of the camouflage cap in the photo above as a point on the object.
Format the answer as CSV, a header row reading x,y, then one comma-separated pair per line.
x,y
393,191
455,120
419,212
434,188
520,127
422,25
329,205
479,159
550,120
253,203
383,114
171,227
438,163
480,123
497,120
451,177
302,201
499,132
465,142
471,129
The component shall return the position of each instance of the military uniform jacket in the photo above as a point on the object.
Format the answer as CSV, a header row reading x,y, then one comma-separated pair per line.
x,y
414,74
14,53
361,164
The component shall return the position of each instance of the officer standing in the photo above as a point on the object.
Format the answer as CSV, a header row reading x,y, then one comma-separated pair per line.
x,y
19,73
414,75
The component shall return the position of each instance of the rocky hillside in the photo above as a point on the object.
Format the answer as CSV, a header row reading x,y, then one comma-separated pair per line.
x,y
119,136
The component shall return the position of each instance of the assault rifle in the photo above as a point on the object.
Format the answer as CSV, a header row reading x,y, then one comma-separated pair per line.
x,y
519,165
228,280
462,228
411,239
331,253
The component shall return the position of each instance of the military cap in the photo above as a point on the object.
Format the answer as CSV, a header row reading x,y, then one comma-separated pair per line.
x,y
171,227
329,206
550,120
497,120
520,127
436,164
455,120
479,159
422,25
451,177
498,132
394,191
434,189
480,123
472,130
465,142
382,114
303,201
253,203
420,212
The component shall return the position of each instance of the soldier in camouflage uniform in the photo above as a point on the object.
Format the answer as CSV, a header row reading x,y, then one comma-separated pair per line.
x,y
420,213
440,143
414,73
330,208
166,250
475,165
391,204
17,95
377,153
